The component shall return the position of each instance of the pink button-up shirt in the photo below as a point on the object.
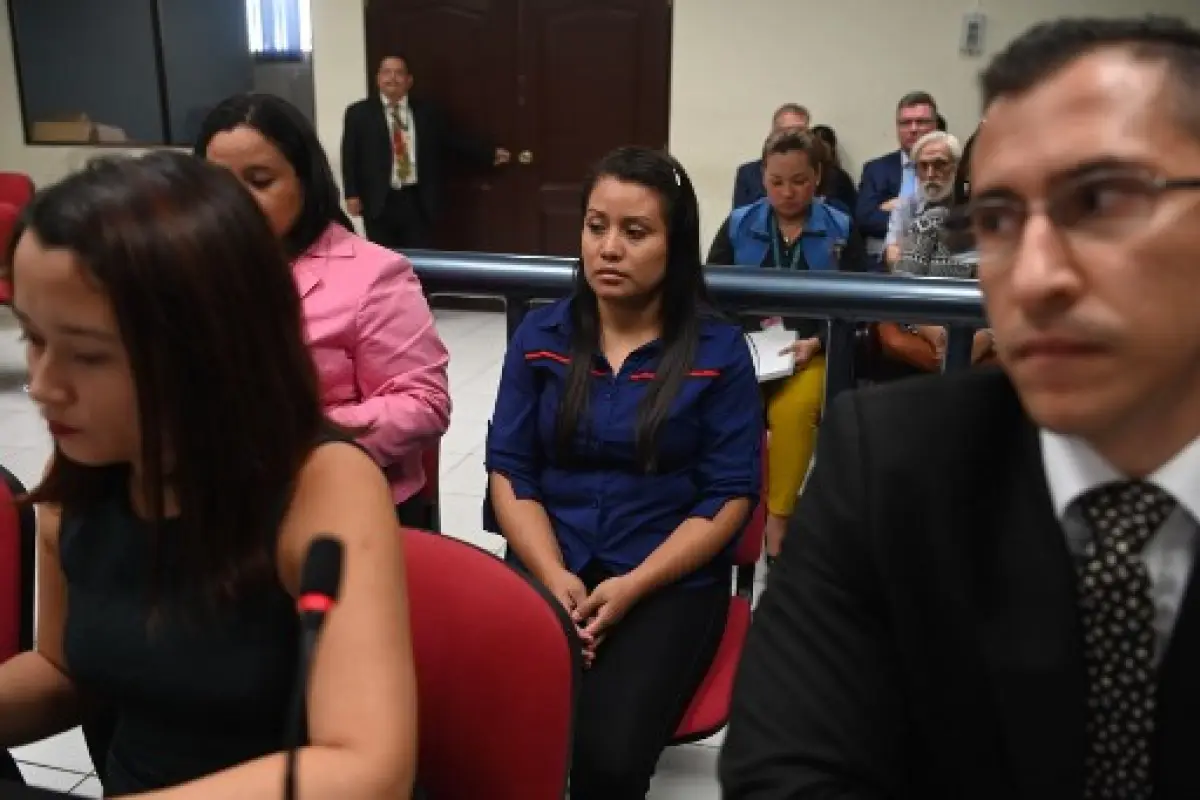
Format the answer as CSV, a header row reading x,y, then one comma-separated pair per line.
x,y
380,360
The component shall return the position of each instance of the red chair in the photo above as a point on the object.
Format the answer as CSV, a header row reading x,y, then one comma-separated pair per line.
x,y
16,188
498,664
18,545
431,464
709,710
8,220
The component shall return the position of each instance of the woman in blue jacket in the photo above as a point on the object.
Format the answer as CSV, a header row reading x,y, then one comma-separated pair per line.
x,y
791,229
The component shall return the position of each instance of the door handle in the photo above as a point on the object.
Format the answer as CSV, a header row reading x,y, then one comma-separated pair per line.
x,y
525,157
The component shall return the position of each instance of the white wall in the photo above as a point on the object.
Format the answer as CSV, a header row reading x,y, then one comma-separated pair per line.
x,y
733,63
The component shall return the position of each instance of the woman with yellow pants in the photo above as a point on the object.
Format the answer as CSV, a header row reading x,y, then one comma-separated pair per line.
x,y
791,229
793,411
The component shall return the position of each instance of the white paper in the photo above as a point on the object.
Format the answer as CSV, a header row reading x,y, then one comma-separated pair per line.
x,y
765,345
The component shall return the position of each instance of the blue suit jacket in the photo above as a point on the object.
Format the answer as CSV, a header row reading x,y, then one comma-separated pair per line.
x,y
881,181
748,185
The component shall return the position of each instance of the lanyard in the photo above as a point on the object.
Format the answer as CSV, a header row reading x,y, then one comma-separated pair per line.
x,y
797,251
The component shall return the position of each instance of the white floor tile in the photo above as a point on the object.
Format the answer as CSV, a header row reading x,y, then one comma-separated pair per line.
x,y
66,751
468,475
716,740
56,780
89,788
686,773
462,518
466,434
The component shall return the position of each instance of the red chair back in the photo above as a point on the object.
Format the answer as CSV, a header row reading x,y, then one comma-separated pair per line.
x,y
16,188
17,550
8,220
498,663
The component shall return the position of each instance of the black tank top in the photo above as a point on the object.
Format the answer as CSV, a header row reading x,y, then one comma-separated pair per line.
x,y
195,693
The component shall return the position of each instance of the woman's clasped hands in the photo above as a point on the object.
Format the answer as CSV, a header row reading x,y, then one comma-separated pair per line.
x,y
596,612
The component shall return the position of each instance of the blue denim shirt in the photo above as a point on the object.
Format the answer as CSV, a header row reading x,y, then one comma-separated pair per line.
x,y
602,504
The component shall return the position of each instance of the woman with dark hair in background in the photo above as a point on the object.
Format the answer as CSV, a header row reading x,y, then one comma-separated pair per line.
x,y
957,231
193,466
624,457
381,364
836,187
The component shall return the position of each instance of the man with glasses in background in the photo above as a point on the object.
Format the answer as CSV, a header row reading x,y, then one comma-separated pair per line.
x,y
892,178
748,183
992,597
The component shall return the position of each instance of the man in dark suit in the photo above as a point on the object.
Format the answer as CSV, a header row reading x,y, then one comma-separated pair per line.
x,y
892,177
395,151
990,591
748,182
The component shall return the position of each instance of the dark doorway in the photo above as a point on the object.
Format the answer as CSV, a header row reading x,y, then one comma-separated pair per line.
x,y
557,82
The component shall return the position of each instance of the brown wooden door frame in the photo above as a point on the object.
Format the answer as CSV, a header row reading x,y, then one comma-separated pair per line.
x,y
532,208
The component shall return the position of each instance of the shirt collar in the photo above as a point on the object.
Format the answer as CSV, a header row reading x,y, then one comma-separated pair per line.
x,y
402,105
1074,468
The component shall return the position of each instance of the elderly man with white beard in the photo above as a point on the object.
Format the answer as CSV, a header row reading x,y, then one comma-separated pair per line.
x,y
935,156
921,248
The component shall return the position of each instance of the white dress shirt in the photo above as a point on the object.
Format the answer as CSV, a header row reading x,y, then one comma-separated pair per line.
x,y
404,111
1073,468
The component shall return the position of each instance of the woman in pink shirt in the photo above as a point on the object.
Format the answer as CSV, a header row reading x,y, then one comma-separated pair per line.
x,y
381,363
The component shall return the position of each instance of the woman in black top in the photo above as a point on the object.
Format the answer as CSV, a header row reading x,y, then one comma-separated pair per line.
x,y
192,467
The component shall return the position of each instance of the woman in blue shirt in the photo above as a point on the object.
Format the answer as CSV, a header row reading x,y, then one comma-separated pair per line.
x,y
624,458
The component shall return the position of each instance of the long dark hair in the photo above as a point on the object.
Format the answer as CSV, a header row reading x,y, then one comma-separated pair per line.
x,y
227,395
684,304
827,136
956,230
282,124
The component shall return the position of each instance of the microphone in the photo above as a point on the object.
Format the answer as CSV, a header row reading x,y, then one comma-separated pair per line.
x,y
320,580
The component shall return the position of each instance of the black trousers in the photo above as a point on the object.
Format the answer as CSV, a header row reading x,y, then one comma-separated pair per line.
x,y
402,224
643,678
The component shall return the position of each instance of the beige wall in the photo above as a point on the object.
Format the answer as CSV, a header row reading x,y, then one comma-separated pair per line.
x,y
733,63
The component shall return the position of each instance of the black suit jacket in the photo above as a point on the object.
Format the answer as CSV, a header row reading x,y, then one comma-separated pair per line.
x,y
367,154
918,637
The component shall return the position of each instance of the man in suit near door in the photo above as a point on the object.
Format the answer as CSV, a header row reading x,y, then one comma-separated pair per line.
x,y
990,592
395,151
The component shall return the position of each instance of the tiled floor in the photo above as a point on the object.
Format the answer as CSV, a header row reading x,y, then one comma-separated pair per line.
x,y
476,341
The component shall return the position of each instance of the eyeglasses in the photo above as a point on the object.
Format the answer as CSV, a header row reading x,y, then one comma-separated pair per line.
x,y
1099,206
936,166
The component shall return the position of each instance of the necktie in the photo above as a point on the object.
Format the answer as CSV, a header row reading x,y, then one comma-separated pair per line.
x,y
1118,638
399,145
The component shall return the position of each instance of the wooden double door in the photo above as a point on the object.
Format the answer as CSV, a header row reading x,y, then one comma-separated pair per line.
x,y
559,83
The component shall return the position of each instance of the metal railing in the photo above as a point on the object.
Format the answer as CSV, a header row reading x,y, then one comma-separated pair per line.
x,y
845,299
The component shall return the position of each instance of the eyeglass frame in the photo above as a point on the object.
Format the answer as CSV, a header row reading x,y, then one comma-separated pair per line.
x,y
1151,185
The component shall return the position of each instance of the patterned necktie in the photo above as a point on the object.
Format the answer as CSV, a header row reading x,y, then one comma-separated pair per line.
x,y
399,144
1118,638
